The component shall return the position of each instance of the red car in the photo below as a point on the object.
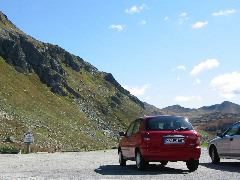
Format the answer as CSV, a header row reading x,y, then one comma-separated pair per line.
x,y
160,139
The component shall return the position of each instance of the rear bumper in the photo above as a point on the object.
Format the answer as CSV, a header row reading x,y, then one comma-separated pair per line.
x,y
171,154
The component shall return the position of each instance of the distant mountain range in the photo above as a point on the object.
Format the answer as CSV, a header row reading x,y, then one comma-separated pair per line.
x,y
208,119
177,109
224,107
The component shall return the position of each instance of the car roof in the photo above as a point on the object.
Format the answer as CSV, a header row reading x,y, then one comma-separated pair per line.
x,y
236,123
166,115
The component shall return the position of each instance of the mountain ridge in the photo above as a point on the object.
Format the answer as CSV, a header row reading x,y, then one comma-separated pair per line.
x,y
58,96
224,107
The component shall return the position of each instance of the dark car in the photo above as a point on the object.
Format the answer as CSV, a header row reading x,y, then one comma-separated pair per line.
x,y
160,139
226,145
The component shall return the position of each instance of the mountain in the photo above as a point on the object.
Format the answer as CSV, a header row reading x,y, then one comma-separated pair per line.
x,y
152,110
177,109
67,103
209,119
224,107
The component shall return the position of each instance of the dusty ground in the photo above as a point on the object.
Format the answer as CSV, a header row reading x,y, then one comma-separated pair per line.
x,y
104,165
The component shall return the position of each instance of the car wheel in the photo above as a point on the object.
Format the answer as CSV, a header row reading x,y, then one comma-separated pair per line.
x,y
122,161
214,155
163,163
140,162
192,165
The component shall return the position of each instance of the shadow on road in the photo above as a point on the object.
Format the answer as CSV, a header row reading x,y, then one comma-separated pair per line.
x,y
224,166
152,169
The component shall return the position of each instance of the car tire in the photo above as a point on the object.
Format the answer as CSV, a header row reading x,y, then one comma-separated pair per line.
x,y
122,161
214,155
141,164
163,163
192,165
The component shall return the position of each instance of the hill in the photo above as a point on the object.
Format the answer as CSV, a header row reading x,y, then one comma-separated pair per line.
x,y
224,107
66,102
209,118
152,110
177,109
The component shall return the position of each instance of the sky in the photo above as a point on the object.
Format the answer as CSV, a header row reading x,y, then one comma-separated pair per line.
x,y
165,52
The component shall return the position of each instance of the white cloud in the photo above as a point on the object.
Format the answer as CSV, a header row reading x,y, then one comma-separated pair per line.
x,y
226,12
197,81
117,27
136,9
143,22
166,18
183,14
203,66
188,98
183,17
178,78
181,67
200,24
138,90
228,85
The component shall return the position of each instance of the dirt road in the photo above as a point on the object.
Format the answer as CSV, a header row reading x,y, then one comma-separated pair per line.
x,y
104,165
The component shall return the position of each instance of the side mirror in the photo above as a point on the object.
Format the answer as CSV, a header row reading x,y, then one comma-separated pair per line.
x,y
122,134
219,134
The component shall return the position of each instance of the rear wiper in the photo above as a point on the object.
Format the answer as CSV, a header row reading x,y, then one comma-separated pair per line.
x,y
181,129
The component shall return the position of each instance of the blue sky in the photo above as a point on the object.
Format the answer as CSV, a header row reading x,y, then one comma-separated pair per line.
x,y
163,51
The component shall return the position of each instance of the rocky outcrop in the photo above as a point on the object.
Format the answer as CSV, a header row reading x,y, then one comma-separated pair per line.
x,y
28,55
109,77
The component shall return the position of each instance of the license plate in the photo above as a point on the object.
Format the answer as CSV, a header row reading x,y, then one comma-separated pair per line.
x,y
174,141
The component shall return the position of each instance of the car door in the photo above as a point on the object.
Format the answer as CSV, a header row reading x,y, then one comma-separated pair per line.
x,y
227,142
125,144
223,144
235,141
135,138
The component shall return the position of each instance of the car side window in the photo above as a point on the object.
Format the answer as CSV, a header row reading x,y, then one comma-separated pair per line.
x,y
238,127
234,130
136,126
130,129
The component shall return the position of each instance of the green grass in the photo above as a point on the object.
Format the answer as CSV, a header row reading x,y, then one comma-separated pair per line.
x,y
8,149
37,109
56,121
204,144
206,137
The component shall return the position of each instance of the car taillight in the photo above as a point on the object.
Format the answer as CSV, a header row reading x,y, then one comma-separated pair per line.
x,y
194,140
198,140
146,137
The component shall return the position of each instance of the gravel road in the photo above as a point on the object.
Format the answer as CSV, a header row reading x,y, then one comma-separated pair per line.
x,y
104,165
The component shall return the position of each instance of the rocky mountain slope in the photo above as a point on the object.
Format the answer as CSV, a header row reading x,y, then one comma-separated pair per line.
x,y
66,102
224,107
153,110
209,118
177,109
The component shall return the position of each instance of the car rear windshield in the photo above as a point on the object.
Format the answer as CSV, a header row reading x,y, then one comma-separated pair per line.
x,y
165,123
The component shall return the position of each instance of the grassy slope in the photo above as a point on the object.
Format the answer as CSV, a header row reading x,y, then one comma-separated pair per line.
x,y
93,88
55,120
